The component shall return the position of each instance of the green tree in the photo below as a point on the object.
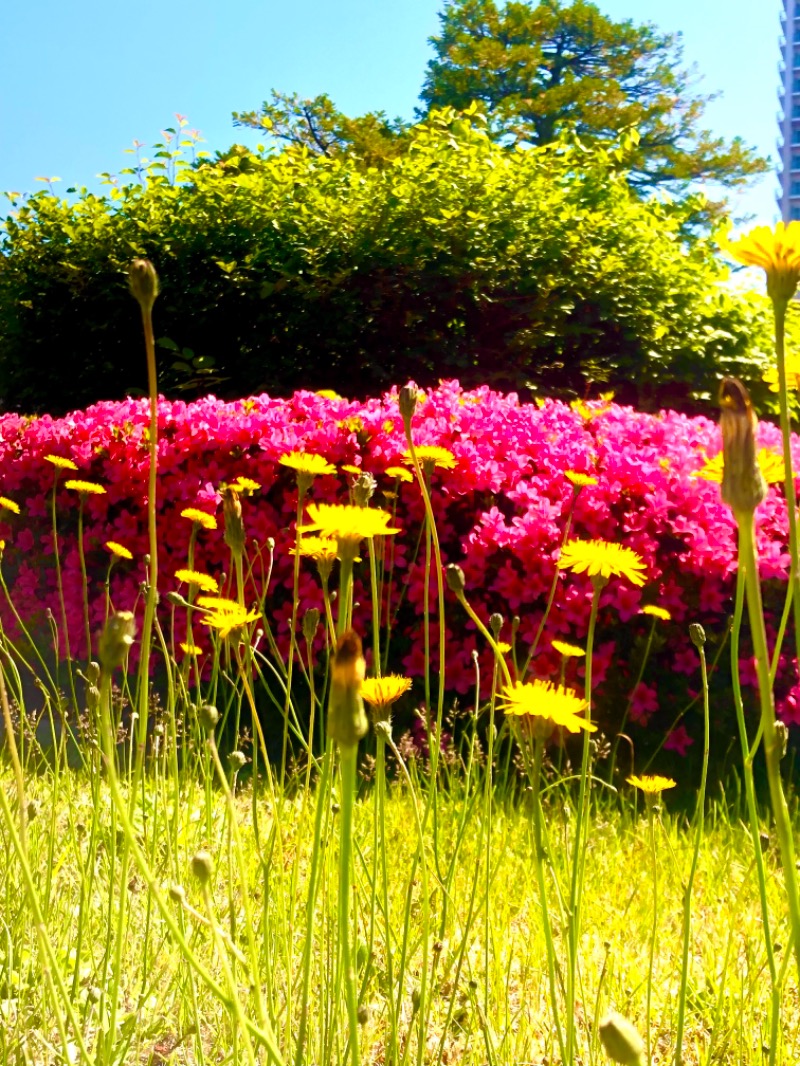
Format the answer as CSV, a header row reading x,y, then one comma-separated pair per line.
x,y
541,69
317,125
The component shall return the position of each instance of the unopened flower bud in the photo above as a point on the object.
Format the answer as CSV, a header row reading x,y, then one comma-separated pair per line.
x,y
202,866
238,760
407,402
347,722
177,893
697,635
495,624
363,1014
116,639
455,578
364,489
234,526
310,624
621,1041
208,716
176,600
143,281
743,486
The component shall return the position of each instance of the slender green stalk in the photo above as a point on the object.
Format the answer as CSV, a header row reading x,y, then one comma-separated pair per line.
x,y
698,639
612,760
650,800
348,762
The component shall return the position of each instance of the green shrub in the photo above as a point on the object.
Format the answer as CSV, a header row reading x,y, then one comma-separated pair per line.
x,y
460,258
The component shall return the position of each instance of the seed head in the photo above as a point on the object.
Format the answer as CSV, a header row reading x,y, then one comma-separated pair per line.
x,y
621,1041
202,866
208,716
143,281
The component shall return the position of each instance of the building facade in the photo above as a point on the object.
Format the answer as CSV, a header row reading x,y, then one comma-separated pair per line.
x,y
789,119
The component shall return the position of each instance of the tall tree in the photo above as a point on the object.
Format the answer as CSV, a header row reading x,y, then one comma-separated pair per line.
x,y
540,69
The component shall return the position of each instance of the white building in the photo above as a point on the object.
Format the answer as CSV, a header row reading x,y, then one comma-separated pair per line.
x,y
789,119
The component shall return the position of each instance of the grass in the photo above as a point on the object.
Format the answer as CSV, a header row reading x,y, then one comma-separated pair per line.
x,y
488,995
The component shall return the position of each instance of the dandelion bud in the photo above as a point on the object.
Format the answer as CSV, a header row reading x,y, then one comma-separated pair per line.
x,y
407,402
310,624
621,1041
697,635
208,716
143,281
782,733
270,542
32,810
363,1014
416,999
177,893
364,489
116,639
347,723
238,760
93,673
202,866
176,600
455,578
743,486
763,841
495,624
234,526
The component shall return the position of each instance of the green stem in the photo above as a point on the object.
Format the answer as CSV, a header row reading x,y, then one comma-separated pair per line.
x,y
348,761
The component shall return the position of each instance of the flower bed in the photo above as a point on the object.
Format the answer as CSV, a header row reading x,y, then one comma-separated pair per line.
x,y
501,514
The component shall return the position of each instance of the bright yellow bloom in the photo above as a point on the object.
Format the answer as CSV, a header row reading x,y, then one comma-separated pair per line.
x,y
226,621
657,612
90,488
652,783
245,485
317,548
792,366
9,505
307,463
202,518
578,479
770,463
432,455
218,603
203,581
776,251
61,462
328,394
381,692
594,557
543,699
400,473
190,649
569,651
345,522
351,468
503,647
118,549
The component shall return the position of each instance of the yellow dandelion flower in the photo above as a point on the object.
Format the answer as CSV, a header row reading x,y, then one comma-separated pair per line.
x,y
61,462
328,394
599,557
345,522
245,485
190,649
569,651
792,366
202,518
770,463
776,251
543,699
651,783
307,463
220,604
432,455
118,549
203,581
351,468
9,505
89,488
503,647
227,621
657,612
578,479
381,692
317,548
400,473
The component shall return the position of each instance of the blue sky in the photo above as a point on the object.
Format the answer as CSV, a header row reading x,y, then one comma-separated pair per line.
x,y
80,82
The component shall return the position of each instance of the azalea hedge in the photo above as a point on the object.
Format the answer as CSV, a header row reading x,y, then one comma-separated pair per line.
x,y
501,514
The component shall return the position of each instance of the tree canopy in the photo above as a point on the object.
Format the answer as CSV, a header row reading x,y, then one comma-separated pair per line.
x,y
541,69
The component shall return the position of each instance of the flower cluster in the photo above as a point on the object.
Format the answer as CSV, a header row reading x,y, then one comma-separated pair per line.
x,y
518,472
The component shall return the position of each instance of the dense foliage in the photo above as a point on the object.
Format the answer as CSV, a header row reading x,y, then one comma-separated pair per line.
x,y
460,258
501,513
